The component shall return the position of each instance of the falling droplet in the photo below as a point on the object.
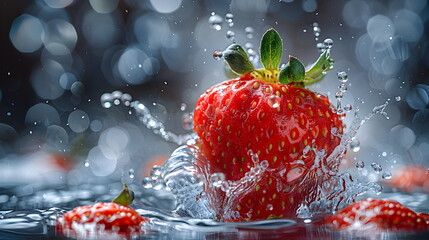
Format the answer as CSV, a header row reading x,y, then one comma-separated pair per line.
x,y
355,145
215,21
328,43
320,47
316,31
229,17
230,35
386,175
348,108
360,165
131,173
86,164
342,87
217,55
342,77
376,167
398,98
249,32
339,95
183,107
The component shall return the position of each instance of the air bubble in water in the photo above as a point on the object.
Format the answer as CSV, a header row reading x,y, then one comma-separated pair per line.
x,y
376,167
230,35
328,43
342,87
187,121
249,32
355,145
386,175
131,173
155,172
217,55
398,98
342,77
274,101
360,165
147,182
215,21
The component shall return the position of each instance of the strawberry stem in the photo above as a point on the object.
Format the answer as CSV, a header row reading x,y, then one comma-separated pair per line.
x,y
126,196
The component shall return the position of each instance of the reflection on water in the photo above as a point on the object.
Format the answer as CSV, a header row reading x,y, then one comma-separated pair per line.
x,y
34,216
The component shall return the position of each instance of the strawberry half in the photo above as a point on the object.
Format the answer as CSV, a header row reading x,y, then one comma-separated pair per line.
x,y
379,214
103,219
266,117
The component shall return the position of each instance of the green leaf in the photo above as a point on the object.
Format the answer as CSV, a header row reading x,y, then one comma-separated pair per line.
x,y
237,62
271,49
229,73
126,196
317,71
237,48
293,72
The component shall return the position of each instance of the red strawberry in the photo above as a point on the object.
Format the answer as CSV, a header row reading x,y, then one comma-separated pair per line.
x,y
410,179
269,113
102,219
379,214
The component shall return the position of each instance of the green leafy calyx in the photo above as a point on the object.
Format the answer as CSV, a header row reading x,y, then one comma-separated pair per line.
x,y
126,196
271,52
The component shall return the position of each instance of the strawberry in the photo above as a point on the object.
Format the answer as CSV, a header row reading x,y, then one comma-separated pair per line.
x,y
410,179
266,117
105,219
378,214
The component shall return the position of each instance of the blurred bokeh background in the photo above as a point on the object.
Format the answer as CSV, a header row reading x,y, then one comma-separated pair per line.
x,y
59,56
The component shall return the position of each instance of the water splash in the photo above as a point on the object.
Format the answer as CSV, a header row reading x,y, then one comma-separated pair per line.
x,y
146,118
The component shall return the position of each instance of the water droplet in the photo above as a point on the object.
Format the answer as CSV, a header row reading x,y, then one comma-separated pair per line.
x,y
106,100
230,35
274,101
217,55
355,145
183,107
147,182
360,165
376,167
386,175
377,188
249,32
215,21
338,95
398,98
264,164
86,163
131,173
216,179
342,76
155,172
328,43
229,17
342,87
320,47
126,99
187,121
384,154
270,207
348,108
248,45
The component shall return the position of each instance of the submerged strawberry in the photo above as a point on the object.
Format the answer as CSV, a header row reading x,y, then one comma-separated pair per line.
x,y
379,214
103,219
266,117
